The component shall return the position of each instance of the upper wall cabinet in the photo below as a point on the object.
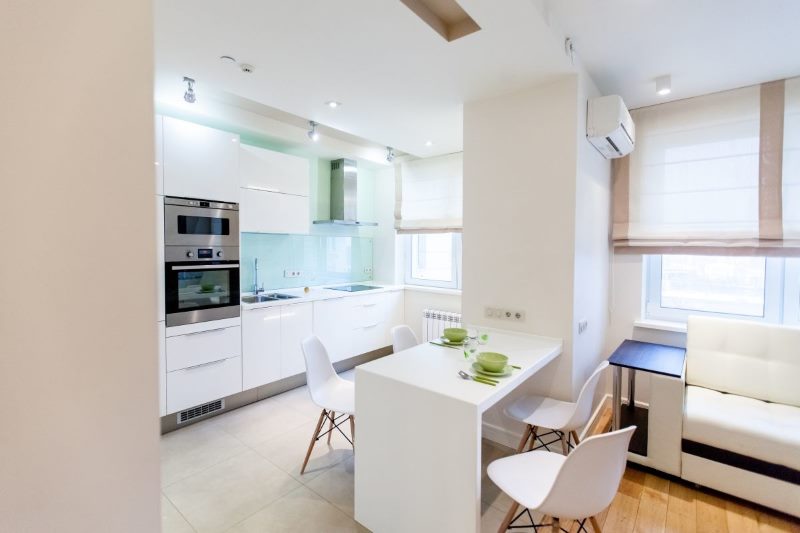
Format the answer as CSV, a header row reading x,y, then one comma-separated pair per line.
x,y
273,171
200,162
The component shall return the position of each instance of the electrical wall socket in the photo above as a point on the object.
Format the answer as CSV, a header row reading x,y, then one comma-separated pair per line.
x,y
292,273
505,314
368,270
582,325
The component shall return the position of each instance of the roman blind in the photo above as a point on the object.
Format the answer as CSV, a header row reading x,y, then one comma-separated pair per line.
x,y
429,194
708,174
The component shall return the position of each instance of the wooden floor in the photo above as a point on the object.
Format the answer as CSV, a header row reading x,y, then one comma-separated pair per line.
x,y
650,503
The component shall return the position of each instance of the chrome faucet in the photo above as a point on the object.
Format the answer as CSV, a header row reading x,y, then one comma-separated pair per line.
x,y
256,289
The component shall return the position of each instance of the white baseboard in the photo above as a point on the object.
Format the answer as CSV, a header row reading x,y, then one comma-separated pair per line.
x,y
506,437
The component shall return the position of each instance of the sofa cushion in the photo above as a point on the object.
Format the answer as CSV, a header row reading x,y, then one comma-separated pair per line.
x,y
762,430
745,358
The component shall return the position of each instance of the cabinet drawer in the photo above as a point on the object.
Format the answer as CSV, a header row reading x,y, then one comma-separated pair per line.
x,y
192,386
203,347
368,310
369,337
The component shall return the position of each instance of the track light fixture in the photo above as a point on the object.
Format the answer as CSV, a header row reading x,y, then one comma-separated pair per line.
x,y
313,134
189,95
389,154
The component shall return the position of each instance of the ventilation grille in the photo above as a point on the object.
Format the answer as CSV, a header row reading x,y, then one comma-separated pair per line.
x,y
200,410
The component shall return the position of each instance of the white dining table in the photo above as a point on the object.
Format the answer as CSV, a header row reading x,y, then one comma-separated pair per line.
x,y
418,433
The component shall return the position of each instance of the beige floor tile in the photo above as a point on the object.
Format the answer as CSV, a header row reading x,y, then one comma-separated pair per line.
x,y
491,493
299,511
171,519
227,493
192,449
337,485
260,421
288,450
300,400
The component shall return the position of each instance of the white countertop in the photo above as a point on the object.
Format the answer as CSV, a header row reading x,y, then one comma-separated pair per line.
x,y
435,368
320,293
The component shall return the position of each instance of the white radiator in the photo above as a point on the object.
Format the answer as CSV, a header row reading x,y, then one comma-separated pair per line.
x,y
434,322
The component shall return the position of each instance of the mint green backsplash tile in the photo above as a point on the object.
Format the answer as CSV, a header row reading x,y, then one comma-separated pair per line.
x,y
322,259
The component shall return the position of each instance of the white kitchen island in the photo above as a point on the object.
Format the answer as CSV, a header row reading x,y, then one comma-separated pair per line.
x,y
418,433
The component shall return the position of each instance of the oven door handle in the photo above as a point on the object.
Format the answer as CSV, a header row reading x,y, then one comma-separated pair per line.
x,y
204,267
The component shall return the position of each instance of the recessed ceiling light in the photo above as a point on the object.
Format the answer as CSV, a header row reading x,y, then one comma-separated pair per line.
x,y
428,143
333,104
664,85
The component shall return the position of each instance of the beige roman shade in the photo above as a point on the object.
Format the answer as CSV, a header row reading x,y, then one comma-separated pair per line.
x,y
713,174
428,195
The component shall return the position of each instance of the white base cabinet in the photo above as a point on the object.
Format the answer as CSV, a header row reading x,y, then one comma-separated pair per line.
x,y
162,369
271,338
199,384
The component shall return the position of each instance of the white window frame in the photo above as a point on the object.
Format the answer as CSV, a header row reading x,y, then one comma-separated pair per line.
x,y
455,284
775,295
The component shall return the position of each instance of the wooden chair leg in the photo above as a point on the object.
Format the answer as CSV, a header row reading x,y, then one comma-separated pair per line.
x,y
564,446
353,430
313,440
525,436
330,426
533,438
556,525
509,517
595,525
575,438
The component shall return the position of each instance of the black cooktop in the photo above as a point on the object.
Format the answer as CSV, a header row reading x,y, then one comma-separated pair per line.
x,y
354,288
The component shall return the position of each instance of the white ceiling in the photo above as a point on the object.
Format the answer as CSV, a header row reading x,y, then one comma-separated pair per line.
x,y
401,83
705,45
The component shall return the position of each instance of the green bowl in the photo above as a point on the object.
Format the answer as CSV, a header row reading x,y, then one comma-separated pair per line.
x,y
492,362
207,287
455,334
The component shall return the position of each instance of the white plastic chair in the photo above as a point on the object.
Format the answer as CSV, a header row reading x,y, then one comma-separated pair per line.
x,y
403,338
335,395
561,418
577,486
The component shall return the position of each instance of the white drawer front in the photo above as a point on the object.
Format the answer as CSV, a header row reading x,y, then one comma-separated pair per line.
x,y
200,384
370,337
203,347
368,310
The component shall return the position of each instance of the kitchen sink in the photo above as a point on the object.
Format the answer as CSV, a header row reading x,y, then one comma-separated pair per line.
x,y
271,297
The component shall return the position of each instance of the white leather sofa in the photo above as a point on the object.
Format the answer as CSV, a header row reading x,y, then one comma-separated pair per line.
x,y
741,418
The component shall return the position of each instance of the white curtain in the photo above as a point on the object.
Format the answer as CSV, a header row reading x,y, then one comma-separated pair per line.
x,y
694,172
791,161
429,194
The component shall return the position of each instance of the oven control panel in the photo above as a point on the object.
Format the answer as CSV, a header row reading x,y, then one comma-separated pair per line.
x,y
200,253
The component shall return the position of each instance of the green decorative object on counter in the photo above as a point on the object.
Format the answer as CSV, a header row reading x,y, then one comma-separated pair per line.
x,y
492,361
455,335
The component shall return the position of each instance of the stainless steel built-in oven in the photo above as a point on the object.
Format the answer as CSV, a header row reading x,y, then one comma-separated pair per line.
x,y
201,256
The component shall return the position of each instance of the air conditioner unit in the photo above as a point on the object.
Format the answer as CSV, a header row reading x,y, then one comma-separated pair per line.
x,y
609,126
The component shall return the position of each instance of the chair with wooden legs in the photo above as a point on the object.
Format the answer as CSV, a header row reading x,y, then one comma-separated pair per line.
x,y
403,338
561,419
334,395
576,487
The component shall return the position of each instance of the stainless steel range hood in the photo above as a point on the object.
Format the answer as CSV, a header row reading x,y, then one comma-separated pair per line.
x,y
344,189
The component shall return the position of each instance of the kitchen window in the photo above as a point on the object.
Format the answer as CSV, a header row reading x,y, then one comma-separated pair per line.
x,y
433,259
764,289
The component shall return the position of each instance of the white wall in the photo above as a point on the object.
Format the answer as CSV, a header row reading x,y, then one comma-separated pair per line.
x,y
78,370
386,256
519,214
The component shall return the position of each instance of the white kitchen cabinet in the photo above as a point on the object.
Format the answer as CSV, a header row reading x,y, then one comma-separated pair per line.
x,y
160,290
202,347
296,325
159,154
269,212
333,324
261,346
273,171
204,383
162,369
200,162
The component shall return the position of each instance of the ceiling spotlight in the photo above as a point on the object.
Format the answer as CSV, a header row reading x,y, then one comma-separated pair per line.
x,y
664,85
247,68
389,154
429,143
189,95
333,104
313,134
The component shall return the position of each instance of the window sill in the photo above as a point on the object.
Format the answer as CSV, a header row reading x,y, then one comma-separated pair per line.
x,y
434,290
662,325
